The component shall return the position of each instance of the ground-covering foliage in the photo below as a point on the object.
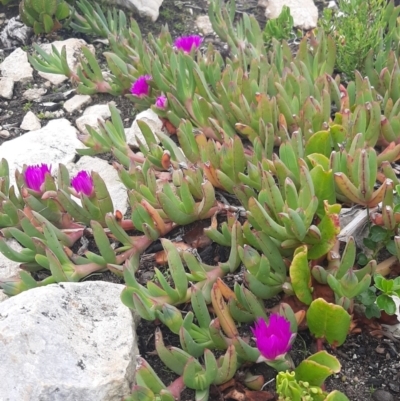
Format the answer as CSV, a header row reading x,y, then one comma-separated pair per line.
x,y
268,145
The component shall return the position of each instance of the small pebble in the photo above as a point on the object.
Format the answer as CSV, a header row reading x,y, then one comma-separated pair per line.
x,y
4,134
382,395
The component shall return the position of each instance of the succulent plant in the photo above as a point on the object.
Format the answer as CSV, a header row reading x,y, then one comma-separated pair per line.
x,y
45,16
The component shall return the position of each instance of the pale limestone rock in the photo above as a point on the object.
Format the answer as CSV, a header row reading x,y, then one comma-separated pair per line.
x,y
148,8
73,48
3,296
9,270
34,94
6,88
76,103
30,122
203,23
101,110
133,133
89,119
110,176
304,13
16,66
4,134
67,342
91,116
53,144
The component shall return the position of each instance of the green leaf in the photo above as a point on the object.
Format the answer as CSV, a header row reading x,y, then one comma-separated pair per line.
x,y
372,311
300,275
38,28
320,142
378,233
47,23
62,11
336,396
324,187
316,368
329,228
329,321
386,303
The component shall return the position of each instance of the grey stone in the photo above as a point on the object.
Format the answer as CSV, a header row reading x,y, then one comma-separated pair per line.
x,y
55,143
73,48
9,270
203,23
304,13
110,176
67,342
382,395
4,134
15,33
30,122
148,8
34,95
17,67
6,88
76,103
133,133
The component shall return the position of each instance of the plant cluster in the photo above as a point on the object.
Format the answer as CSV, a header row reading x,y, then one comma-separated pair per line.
x,y
279,133
360,28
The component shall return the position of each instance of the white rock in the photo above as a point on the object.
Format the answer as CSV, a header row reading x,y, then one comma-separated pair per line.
x,y
34,94
6,88
73,48
17,67
88,119
134,132
30,122
4,134
76,103
101,110
3,296
67,342
55,143
9,270
110,176
91,116
304,13
203,23
149,8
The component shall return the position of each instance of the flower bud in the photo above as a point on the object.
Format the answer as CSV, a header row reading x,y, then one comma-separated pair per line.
x,y
36,175
186,43
140,87
161,102
83,183
272,339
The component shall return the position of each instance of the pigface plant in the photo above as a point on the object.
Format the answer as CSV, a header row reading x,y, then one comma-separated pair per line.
x,y
260,151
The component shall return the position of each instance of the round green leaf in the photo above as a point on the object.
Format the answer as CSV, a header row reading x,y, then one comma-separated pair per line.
x,y
328,321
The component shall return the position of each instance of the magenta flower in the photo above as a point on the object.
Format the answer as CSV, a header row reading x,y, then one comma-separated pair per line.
x,y
272,339
141,87
161,102
35,176
83,183
186,43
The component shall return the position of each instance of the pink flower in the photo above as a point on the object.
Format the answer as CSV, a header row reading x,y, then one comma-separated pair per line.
x,y
186,43
161,102
83,183
272,339
35,176
141,87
